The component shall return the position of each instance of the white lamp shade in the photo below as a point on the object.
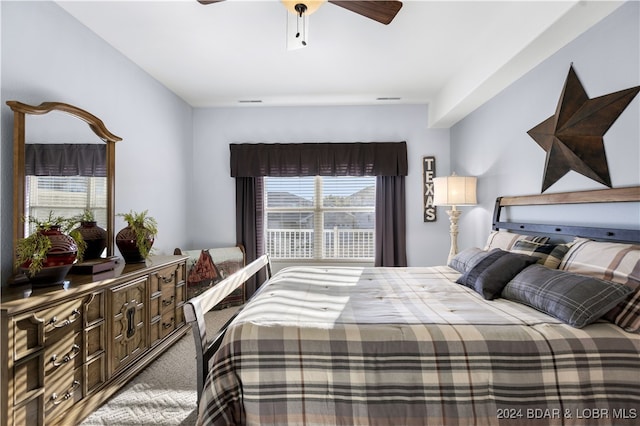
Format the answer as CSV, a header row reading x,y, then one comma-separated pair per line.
x,y
454,191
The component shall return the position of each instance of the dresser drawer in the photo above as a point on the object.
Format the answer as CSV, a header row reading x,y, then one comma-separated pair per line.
x,y
163,301
62,390
31,332
168,298
163,326
66,351
62,319
167,324
169,276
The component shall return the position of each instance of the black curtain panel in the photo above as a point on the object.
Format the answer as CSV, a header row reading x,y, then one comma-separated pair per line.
x,y
249,224
391,240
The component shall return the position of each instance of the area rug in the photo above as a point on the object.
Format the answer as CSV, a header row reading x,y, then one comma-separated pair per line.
x,y
164,393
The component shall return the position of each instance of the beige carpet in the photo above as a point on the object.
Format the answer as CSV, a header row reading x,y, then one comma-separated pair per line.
x,y
164,393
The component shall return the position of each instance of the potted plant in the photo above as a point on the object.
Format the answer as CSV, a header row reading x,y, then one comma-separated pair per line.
x,y
47,254
136,239
94,236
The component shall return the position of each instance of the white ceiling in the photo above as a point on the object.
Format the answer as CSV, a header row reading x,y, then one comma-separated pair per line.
x,y
453,55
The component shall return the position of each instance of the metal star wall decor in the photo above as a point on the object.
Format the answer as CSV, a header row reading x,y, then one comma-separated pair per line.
x,y
573,137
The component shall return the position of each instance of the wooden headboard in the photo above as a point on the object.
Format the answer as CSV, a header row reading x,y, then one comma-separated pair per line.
x,y
616,195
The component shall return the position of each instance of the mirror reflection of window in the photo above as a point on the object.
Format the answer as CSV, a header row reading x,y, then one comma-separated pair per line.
x,y
65,170
65,196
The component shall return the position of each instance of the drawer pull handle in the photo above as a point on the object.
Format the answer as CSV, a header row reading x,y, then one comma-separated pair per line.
x,y
166,325
75,314
167,279
68,394
168,302
75,350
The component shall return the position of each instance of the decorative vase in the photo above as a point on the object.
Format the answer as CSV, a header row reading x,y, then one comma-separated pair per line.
x,y
58,261
126,242
95,237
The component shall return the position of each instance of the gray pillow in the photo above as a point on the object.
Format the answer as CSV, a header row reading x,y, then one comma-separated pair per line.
x,y
467,259
574,299
489,276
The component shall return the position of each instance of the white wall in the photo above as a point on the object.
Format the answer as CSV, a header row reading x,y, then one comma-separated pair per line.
x,y
492,142
47,55
212,222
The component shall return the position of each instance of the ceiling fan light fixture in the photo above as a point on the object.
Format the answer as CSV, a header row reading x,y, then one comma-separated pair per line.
x,y
298,21
311,6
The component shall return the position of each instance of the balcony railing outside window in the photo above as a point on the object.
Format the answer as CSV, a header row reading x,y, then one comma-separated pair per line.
x,y
344,244
320,218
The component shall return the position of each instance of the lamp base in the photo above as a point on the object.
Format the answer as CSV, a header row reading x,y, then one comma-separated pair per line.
x,y
453,214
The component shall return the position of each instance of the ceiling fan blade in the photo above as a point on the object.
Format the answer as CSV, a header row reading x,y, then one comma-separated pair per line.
x,y
381,11
209,1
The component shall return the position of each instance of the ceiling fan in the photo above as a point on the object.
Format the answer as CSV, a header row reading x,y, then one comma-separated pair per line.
x,y
380,11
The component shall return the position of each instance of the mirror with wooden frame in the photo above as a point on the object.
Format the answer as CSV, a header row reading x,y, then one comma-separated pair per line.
x,y
23,114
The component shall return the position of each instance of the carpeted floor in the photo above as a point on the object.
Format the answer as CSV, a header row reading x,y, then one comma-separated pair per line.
x,y
164,393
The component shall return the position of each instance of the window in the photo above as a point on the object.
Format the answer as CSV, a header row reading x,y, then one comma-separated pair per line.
x,y
66,196
320,217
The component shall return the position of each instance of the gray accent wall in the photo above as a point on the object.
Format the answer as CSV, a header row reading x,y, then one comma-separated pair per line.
x,y
492,142
47,55
213,190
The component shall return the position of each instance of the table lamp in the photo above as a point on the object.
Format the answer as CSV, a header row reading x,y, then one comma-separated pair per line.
x,y
454,191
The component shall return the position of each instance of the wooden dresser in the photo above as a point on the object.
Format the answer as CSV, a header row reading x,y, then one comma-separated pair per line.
x,y
66,349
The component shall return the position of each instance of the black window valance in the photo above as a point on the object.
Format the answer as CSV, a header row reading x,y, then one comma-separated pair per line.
x,y
319,159
67,159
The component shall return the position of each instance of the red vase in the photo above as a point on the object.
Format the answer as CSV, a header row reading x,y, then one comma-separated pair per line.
x,y
59,259
126,242
95,237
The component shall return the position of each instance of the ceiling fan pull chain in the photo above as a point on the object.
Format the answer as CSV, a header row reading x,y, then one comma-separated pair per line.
x,y
301,9
304,31
297,27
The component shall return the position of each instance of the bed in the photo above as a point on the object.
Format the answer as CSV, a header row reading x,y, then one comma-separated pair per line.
x,y
521,331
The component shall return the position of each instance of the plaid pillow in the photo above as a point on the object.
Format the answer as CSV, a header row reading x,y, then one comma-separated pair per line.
x,y
504,240
467,259
574,299
549,255
489,276
615,262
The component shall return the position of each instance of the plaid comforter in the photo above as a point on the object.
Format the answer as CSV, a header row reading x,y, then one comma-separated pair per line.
x,y
407,346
